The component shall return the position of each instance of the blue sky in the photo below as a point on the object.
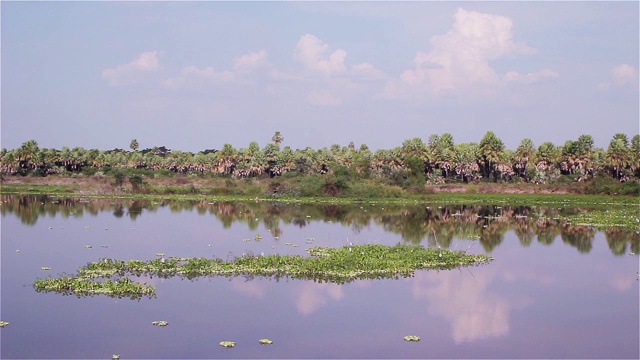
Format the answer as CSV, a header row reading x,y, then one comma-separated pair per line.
x,y
196,75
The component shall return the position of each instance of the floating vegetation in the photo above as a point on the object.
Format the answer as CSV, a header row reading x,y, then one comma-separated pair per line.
x,y
82,286
227,344
159,323
46,268
621,218
336,265
3,324
115,357
88,246
412,338
265,342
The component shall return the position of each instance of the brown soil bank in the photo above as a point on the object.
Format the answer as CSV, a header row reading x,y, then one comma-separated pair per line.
x,y
265,186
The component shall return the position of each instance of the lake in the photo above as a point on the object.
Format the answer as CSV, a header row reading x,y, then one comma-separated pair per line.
x,y
553,290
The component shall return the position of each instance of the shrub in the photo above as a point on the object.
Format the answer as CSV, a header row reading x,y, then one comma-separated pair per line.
x,y
118,177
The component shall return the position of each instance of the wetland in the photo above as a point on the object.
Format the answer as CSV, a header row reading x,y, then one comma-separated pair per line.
x,y
562,283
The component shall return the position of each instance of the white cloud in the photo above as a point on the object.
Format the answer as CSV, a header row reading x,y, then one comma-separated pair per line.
x,y
312,52
337,82
620,75
133,72
366,71
249,61
529,78
242,66
623,74
323,98
459,60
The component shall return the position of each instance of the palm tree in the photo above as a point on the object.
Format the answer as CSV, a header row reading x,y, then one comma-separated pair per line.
x,y
618,154
134,145
524,154
467,168
226,160
26,153
490,148
635,155
277,138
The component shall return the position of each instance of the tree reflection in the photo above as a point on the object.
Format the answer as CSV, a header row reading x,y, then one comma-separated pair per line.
x,y
436,226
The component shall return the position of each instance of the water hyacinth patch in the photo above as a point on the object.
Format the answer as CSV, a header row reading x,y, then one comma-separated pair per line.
x,y
227,344
159,323
81,287
336,265
265,342
3,324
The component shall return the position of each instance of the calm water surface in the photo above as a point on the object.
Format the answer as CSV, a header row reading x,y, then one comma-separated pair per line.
x,y
553,291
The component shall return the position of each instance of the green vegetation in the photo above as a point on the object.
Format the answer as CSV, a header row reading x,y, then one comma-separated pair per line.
x,y
3,324
413,168
265,342
81,287
336,265
227,344
412,338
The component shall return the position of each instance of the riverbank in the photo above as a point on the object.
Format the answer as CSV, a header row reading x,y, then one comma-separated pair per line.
x,y
304,189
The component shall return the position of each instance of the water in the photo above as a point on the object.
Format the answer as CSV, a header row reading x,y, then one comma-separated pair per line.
x,y
552,291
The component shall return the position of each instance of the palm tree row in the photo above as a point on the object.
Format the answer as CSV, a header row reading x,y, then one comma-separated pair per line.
x,y
439,160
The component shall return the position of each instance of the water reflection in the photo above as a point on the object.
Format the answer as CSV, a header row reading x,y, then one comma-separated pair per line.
x,y
467,303
437,226
539,299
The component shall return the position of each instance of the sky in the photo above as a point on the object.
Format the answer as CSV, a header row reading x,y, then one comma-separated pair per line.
x,y
197,75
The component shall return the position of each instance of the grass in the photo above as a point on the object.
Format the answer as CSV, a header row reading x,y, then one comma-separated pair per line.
x,y
336,265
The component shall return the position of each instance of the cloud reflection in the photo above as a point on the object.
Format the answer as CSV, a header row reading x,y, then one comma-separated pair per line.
x,y
254,289
309,297
467,303
621,282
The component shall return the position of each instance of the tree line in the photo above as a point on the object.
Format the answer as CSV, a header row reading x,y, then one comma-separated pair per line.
x,y
439,160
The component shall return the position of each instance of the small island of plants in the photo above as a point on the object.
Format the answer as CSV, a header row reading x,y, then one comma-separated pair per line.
x,y
336,265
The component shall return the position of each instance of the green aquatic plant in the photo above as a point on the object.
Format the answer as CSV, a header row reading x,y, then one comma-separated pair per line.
x,y
614,217
336,265
46,268
265,342
3,324
82,286
159,323
227,344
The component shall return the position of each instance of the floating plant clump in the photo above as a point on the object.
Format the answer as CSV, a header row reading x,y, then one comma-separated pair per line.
x,y
412,338
227,344
337,265
3,324
159,323
265,341
81,287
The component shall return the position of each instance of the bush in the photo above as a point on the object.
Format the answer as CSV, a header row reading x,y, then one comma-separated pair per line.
x,y
136,182
89,170
118,176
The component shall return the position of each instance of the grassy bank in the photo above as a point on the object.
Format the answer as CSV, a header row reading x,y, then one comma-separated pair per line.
x,y
312,188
